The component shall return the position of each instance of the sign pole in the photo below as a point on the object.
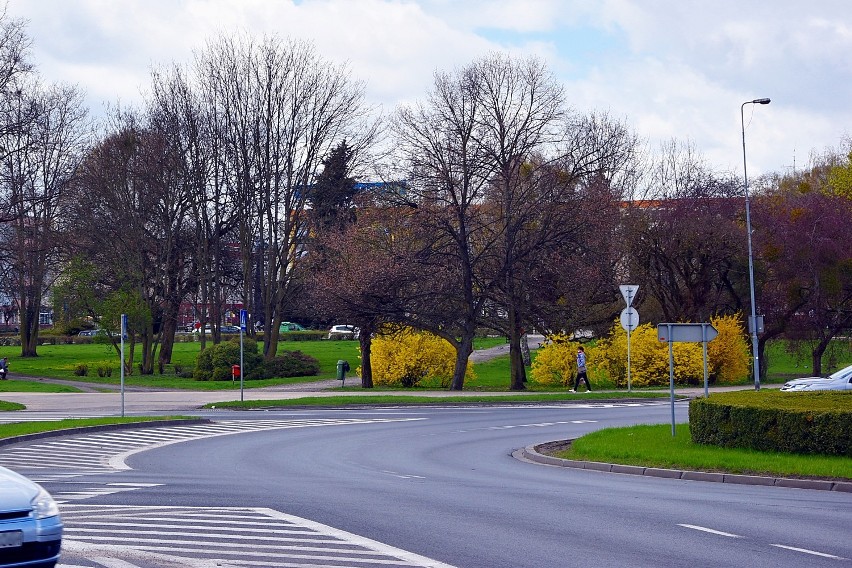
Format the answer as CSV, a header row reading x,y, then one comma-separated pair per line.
x,y
123,332
704,343
243,318
671,376
687,332
629,386
628,291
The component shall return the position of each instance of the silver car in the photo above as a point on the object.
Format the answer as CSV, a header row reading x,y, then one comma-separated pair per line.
x,y
344,332
30,527
839,381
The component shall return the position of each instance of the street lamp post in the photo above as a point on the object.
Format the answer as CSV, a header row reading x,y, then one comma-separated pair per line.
x,y
752,324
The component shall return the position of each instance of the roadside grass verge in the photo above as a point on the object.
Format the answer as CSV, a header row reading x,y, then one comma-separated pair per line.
x,y
22,428
16,385
654,446
399,400
7,406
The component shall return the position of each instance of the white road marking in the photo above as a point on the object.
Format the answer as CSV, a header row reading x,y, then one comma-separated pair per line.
x,y
201,537
806,551
535,425
711,531
403,475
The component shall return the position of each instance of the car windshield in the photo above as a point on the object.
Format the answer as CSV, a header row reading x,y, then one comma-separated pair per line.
x,y
842,373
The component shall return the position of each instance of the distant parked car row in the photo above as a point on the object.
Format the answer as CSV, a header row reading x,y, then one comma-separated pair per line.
x,y
340,331
97,332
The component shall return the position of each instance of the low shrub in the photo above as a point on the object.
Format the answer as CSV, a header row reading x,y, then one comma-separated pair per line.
x,y
307,335
805,423
104,371
214,363
290,364
81,369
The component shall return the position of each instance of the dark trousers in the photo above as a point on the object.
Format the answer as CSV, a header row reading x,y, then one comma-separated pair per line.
x,y
582,376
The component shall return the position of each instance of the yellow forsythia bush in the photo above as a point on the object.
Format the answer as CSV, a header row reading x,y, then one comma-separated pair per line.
x,y
649,358
555,363
728,354
408,357
727,358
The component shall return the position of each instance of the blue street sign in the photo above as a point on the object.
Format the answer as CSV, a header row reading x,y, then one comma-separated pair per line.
x,y
243,318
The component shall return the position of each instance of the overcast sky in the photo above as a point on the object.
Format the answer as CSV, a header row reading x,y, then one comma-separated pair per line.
x,y
670,68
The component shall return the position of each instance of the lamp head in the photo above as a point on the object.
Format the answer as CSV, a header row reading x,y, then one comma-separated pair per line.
x,y
764,101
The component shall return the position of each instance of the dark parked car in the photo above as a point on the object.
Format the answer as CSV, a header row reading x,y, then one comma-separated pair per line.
x,y
30,527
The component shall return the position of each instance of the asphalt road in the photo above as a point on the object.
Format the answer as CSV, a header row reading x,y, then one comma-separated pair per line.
x,y
441,485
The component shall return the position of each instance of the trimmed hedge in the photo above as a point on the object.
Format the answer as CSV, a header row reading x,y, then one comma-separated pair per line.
x,y
773,421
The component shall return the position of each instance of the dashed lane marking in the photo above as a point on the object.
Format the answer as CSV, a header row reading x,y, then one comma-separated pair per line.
x,y
784,546
806,551
711,531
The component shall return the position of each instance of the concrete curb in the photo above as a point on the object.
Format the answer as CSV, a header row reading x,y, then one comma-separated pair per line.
x,y
531,454
101,428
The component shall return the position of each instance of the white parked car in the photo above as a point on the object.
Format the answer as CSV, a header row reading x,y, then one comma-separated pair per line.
x,y
30,527
344,332
839,381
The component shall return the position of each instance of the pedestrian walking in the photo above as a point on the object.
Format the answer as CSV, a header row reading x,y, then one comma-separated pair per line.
x,y
4,368
581,370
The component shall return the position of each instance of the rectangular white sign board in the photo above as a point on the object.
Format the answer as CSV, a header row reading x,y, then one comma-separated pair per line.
x,y
686,332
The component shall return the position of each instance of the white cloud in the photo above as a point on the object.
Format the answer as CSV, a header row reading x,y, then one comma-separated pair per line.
x,y
671,68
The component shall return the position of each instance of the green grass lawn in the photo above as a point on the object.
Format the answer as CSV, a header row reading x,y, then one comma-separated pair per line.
x,y
60,361
784,365
654,446
15,385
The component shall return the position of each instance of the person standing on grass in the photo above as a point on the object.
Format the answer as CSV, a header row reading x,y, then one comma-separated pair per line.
x,y
581,370
4,367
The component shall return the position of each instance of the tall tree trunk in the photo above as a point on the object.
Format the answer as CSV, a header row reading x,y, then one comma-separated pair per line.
x,y
516,359
170,315
365,342
463,350
29,329
817,353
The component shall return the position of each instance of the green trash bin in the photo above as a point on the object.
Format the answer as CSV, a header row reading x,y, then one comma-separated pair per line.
x,y
342,368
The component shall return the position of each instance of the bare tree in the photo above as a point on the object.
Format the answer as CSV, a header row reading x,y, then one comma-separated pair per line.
x,y
495,161
194,261
15,71
47,146
129,216
686,242
448,172
280,108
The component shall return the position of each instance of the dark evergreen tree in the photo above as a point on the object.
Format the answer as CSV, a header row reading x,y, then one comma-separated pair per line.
x,y
332,194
